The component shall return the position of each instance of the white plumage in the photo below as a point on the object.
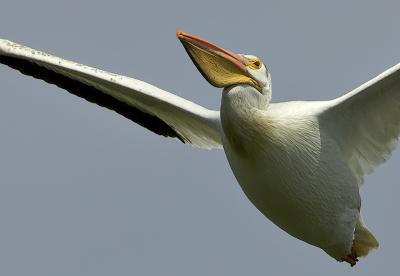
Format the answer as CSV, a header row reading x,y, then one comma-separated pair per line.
x,y
300,163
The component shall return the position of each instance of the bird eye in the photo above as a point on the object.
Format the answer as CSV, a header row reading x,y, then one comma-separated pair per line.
x,y
255,64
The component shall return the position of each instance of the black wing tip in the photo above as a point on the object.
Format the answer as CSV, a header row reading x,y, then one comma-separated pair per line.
x,y
91,94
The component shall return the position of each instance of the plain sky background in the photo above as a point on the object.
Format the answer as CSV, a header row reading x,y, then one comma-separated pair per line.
x,y
83,191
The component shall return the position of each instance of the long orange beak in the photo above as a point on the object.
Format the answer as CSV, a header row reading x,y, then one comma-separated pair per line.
x,y
218,66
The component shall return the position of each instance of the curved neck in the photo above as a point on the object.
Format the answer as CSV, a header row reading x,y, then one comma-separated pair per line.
x,y
238,107
243,98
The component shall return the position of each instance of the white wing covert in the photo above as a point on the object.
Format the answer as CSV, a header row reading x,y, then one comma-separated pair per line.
x,y
155,109
366,121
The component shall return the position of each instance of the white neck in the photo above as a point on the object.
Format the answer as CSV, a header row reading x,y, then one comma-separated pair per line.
x,y
238,106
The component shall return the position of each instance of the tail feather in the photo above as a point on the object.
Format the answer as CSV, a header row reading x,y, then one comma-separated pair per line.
x,y
364,240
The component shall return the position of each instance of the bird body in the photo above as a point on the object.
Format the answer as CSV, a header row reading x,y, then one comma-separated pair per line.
x,y
300,163
303,187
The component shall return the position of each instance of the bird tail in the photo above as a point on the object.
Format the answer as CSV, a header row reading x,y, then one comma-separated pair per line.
x,y
364,240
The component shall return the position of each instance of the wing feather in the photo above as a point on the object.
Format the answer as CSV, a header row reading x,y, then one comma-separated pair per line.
x,y
155,109
366,121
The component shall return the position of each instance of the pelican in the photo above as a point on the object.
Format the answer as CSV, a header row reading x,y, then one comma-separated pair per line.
x,y
300,163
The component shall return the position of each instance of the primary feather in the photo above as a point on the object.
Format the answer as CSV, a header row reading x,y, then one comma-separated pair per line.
x,y
155,109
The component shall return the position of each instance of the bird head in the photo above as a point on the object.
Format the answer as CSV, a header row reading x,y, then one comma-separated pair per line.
x,y
222,68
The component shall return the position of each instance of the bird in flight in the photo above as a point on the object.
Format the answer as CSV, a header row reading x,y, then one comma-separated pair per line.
x,y
300,163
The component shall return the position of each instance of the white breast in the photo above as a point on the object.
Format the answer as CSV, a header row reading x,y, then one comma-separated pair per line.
x,y
294,174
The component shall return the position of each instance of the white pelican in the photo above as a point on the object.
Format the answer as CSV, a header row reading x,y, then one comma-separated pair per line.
x,y
300,163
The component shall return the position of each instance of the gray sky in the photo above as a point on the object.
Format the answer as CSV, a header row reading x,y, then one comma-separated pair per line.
x,y
83,191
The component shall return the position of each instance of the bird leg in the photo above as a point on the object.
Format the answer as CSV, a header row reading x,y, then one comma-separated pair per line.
x,y
352,257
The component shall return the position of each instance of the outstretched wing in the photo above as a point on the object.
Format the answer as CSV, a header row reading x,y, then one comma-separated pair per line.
x,y
155,109
366,121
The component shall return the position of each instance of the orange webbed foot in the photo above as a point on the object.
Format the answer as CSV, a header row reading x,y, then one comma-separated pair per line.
x,y
351,258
